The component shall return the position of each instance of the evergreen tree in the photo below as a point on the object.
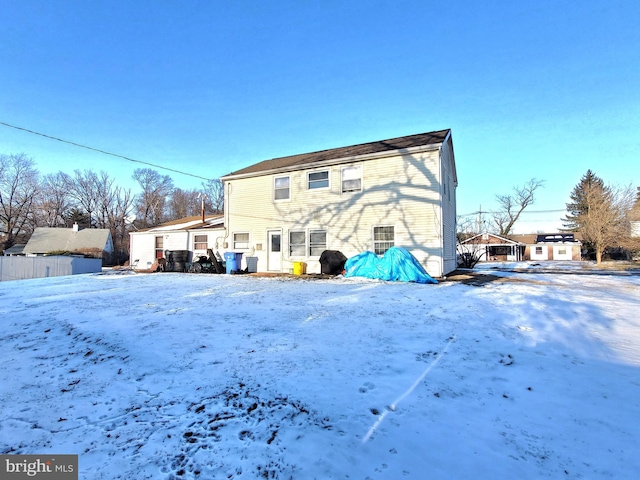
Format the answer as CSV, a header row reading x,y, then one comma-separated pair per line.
x,y
578,208
596,212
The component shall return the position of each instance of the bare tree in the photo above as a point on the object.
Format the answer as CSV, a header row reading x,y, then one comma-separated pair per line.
x,y
152,201
511,206
83,188
214,190
119,210
54,202
105,190
19,186
183,203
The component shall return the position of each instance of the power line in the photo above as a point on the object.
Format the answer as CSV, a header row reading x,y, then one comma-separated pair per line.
x,y
103,151
498,211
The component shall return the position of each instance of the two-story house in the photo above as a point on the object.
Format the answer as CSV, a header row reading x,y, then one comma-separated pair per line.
x,y
372,196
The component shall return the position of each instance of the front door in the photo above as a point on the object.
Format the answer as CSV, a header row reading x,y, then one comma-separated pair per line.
x,y
274,251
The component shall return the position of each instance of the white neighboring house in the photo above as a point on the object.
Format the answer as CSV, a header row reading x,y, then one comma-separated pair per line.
x,y
186,234
555,246
95,242
397,192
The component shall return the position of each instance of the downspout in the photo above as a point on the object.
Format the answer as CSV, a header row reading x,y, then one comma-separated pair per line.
x,y
227,203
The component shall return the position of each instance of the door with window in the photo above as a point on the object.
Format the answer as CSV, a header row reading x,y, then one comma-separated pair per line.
x,y
274,250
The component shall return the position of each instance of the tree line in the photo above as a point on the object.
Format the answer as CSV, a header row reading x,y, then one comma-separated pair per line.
x,y
92,199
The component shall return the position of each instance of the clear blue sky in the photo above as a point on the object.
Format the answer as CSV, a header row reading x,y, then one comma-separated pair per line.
x,y
544,89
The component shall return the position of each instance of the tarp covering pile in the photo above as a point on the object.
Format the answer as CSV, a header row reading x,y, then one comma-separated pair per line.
x,y
397,264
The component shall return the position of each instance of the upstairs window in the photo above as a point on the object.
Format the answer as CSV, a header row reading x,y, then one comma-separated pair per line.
x,y
200,242
383,239
351,179
281,188
318,180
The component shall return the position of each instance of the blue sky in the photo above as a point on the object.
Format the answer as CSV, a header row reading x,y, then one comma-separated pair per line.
x,y
544,89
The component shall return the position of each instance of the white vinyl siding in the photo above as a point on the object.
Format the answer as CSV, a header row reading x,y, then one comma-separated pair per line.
x,y
399,190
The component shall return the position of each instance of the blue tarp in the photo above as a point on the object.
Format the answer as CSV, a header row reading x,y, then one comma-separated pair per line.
x,y
397,264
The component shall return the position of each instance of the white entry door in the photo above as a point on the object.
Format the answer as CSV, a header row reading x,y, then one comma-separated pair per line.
x,y
274,251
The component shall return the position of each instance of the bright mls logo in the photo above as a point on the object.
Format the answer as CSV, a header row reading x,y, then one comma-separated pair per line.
x,y
50,467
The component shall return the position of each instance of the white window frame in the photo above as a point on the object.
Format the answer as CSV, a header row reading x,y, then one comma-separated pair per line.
x,y
277,189
386,243
350,178
200,242
241,245
301,248
315,182
316,246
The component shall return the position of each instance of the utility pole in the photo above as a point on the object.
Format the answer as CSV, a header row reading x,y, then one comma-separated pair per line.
x,y
202,196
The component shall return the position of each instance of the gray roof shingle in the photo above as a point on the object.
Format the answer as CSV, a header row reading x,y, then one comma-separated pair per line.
x,y
46,240
293,161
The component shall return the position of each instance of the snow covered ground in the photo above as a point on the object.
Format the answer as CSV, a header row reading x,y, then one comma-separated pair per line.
x,y
168,376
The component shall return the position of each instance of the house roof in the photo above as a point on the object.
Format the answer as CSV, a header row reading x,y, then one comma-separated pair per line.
x,y
522,238
15,249
490,239
345,153
188,223
45,240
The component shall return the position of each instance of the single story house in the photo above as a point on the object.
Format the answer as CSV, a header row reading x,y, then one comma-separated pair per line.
x,y
550,246
94,242
372,196
192,234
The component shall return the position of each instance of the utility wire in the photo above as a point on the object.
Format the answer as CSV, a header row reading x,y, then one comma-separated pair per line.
x,y
498,211
103,151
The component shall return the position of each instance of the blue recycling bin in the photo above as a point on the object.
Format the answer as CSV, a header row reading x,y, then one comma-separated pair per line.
x,y
233,261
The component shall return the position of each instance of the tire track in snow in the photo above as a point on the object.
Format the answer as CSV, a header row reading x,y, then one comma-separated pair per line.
x,y
394,405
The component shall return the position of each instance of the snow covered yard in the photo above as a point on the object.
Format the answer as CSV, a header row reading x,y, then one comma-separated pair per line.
x,y
236,377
